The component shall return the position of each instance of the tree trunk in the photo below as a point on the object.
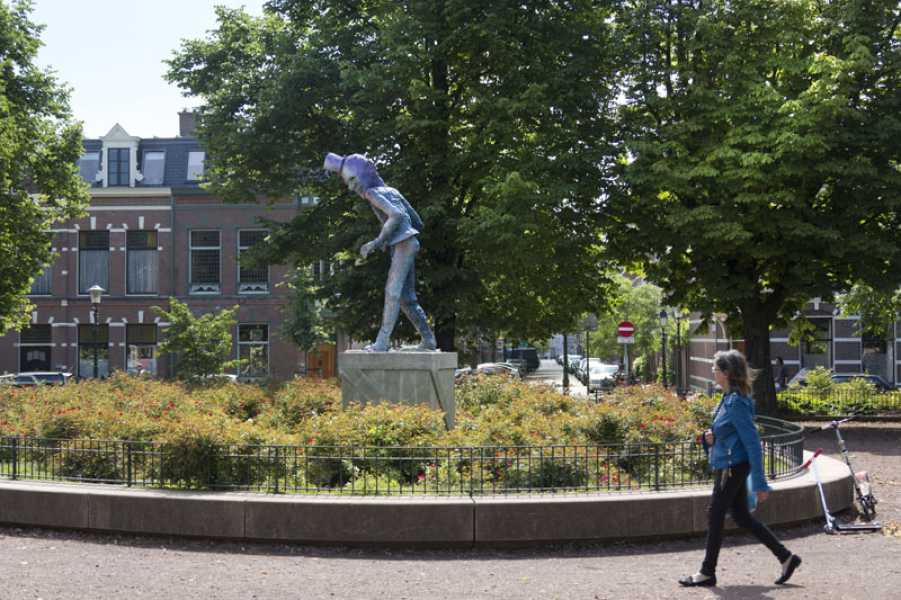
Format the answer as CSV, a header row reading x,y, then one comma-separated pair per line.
x,y
756,332
445,331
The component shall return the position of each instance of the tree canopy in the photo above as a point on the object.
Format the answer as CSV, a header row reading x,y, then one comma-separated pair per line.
x,y
492,118
762,163
39,148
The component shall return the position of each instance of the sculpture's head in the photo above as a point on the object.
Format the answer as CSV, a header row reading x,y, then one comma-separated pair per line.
x,y
357,171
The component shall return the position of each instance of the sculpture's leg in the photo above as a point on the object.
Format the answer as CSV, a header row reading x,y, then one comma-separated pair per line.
x,y
402,255
414,312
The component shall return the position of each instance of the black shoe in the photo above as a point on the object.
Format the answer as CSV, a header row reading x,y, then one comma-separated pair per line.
x,y
698,580
788,567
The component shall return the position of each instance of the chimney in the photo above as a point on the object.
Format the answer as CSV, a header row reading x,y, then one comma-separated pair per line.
x,y
186,123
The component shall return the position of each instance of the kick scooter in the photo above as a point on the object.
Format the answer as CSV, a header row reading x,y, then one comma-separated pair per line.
x,y
833,525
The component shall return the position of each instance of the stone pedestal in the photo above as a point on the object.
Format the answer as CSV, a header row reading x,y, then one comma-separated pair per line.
x,y
399,377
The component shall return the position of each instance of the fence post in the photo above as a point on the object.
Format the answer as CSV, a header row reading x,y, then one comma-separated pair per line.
x,y
657,467
128,467
15,449
277,467
771,453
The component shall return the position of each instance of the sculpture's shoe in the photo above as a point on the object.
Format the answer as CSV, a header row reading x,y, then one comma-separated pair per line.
x,y
375,348
427,346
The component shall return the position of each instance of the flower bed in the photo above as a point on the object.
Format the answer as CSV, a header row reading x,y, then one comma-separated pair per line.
x,y
509,436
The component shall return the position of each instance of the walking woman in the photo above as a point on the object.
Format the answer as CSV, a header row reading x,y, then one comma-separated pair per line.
x,y
733,447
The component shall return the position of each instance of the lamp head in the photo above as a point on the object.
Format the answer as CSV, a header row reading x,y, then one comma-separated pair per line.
x,y
96,293
663,316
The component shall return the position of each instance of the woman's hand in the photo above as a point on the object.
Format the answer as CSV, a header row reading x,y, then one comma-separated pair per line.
x,y
762,496
708,437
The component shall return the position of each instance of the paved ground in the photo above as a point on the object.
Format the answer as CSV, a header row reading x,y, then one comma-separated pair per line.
x,y
551,373
64,565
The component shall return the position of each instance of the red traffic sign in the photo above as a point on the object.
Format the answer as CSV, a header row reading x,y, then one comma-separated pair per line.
x,y
625,329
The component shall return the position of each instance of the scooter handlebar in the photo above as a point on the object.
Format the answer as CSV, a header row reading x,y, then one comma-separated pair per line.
x,y
835,424
810,460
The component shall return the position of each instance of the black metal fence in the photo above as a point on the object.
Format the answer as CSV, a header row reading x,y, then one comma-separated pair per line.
x,y
356,470
839,400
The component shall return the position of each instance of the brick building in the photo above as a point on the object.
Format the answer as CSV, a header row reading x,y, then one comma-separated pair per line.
x,y
152,234
837,345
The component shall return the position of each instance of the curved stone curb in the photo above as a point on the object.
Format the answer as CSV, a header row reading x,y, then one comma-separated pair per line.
x,y
432,521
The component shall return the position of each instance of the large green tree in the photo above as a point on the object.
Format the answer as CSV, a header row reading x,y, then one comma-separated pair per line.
x,y
39,149
492,118
762,155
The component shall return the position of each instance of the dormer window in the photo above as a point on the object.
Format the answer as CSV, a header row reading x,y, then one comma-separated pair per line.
x,y
195,165
118,166
154,162
88,165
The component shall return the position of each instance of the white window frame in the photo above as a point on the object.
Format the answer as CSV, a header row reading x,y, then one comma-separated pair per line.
x,y
144,168
22,344
155,249
109,352
98,175
195,175
48,272
191,285
248,288
155,346
267,343
109,257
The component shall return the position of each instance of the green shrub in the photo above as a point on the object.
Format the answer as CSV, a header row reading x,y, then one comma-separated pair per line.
x,y
92,462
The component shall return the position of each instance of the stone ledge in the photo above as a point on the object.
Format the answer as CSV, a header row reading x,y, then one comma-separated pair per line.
x,y
407,521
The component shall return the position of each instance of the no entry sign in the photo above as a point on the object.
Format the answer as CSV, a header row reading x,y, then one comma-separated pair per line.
x,y
625,329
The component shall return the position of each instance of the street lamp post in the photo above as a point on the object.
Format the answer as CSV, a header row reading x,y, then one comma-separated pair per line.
x,y
565,364
663,318
96,293
680,366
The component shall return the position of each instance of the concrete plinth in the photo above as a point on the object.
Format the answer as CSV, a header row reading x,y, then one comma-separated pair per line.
x,y
400,377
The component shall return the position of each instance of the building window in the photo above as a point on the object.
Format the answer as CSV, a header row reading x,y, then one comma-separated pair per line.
x,y
818,350
205,250
143,263
35,349
195,165
88,166
253,350
251,279
93,344
93,260
154,163
141,343
41,284
117,167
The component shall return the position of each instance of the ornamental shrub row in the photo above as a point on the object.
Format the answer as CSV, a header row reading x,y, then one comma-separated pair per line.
x,y
208,437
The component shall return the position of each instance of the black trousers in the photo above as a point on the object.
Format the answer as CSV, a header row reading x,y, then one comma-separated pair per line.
x,y
730,494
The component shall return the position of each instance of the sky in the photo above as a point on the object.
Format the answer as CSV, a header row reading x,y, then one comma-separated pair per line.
x,y
110,53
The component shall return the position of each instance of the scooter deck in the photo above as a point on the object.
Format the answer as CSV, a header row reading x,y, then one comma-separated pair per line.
x,y
874,526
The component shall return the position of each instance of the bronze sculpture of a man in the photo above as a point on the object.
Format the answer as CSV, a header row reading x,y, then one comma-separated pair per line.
x,y
400,226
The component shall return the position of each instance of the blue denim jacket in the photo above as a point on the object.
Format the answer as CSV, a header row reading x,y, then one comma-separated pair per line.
x,y
735,438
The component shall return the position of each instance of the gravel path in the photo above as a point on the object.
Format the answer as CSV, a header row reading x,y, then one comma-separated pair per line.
x,y
65,565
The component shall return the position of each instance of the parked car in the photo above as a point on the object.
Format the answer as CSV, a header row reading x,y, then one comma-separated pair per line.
x,y
878,381
520,365
602,377
497,369
529,355
47,377
32,378
573,362
582,369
